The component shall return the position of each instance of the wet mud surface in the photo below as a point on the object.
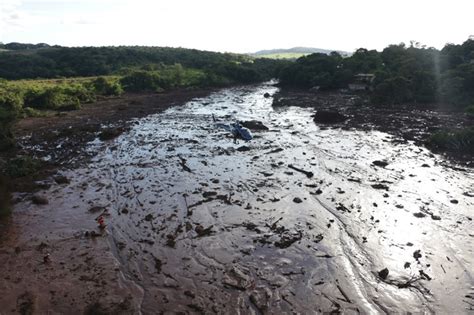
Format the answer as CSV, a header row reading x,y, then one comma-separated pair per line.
x,y
409,122
303,218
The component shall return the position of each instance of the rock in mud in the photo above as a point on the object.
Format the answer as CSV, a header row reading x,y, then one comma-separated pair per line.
x,y
243,148
254,125
297,200
39,200
60,179
417,254
383,274
266,95
380,163
329,117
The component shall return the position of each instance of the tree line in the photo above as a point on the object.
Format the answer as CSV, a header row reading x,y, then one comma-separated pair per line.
x,y
403,74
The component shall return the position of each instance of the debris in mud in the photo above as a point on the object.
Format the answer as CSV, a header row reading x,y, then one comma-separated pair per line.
x,y
342,208
171,240
380,186
417,254
110,133
307,173
25,303
329,117
380,163
39,200
383,273
201,231
297,200
182,162
237,279
96,209
158,264
209,194
275,151
254,125
424,275
60,179
454,201
259,298
149,217
419,214
266,95
243,148
288,239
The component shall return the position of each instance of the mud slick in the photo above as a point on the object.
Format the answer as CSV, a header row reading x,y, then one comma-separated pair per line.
x,y
304,219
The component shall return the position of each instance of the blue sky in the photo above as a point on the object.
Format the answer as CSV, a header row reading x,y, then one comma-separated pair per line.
x,y
237,26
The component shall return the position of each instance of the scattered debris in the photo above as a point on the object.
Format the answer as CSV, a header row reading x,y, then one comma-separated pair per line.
x,y
308,174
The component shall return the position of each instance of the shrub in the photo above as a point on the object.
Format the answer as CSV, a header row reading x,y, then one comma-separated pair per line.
x,y
22,166
103,86
138,81
56,97
10,99
461,141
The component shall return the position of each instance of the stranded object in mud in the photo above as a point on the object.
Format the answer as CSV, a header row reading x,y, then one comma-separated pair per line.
x,y
329,117
235,129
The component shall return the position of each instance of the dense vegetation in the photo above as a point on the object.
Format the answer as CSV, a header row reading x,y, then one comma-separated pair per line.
x,y
402,74
68,77
56,62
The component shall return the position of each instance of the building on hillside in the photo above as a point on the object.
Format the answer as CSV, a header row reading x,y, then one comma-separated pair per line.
x,y
362,82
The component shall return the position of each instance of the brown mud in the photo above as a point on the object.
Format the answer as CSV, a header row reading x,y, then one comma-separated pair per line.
x,y
303,218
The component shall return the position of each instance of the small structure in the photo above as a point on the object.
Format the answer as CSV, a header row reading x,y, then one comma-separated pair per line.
x,y
362,82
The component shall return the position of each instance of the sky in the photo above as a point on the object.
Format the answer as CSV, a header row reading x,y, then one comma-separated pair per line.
x,y
237,26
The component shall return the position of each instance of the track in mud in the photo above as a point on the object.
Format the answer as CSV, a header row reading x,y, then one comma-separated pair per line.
x,y
200,224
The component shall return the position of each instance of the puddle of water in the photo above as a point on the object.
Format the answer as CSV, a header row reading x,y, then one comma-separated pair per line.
x,y
241,232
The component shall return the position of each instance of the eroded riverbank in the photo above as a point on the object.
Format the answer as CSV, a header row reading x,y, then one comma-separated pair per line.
x,y
238,230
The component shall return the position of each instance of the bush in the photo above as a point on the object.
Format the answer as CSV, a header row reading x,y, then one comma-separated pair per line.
x,y
55,97
138,81
7,118
460,141
22,166
103,86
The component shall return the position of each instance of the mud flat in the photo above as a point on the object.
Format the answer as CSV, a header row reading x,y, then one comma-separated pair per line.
x,y
303,218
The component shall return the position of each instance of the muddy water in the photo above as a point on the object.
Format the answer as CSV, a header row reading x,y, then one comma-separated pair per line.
x,y
196,223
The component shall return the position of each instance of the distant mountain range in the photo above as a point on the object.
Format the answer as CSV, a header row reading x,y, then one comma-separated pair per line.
x,y
294,52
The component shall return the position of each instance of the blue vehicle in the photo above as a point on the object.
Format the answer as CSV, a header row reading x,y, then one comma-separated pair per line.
x,y
235,129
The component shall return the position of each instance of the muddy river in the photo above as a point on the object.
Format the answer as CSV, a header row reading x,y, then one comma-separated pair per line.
x,y
196,223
